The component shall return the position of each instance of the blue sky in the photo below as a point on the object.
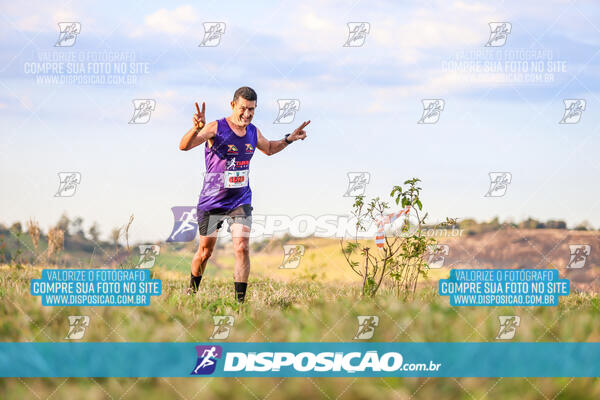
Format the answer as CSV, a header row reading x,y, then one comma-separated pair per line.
x,y
364,104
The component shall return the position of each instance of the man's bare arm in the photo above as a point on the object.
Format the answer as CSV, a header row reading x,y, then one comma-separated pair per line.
x,y
195,137
200,132
270,147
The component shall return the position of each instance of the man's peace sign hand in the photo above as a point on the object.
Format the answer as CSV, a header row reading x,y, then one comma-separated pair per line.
x,y
199,120
299,133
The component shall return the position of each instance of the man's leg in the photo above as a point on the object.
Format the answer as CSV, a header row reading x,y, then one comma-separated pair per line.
x,y
240,236
209,223
205,249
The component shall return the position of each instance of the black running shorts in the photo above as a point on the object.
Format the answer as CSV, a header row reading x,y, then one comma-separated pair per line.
x,y
211,220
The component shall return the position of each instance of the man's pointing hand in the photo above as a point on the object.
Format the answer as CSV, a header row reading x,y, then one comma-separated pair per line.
x,y
299,133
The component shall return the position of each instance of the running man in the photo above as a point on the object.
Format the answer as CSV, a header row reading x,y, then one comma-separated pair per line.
x,y
226,194
206,360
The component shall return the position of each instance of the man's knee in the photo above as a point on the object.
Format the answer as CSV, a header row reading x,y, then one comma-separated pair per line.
x,y
241,248
204,253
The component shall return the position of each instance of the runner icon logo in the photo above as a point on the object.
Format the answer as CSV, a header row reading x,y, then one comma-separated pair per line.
x,y
573,110
68,32
366,326
68,184
292,254
208,357
223,325
499,32
508,326
437,255
357,33
432,109
142,110
357,183
499,182
212,34
287,110
185,224
578,255
77,326
148,253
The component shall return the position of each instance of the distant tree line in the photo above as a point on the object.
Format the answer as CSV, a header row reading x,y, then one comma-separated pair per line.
x,y
25,243
473,227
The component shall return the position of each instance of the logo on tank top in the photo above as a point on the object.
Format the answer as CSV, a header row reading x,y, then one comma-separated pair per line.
x,y
231,164
232,149
249,148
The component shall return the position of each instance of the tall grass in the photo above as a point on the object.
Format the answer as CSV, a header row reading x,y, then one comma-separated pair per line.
x,y
302,310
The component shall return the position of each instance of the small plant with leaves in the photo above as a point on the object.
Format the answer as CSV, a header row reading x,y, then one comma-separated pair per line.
x,y
399,259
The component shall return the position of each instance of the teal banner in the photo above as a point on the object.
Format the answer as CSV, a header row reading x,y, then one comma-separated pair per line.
x,y
299,359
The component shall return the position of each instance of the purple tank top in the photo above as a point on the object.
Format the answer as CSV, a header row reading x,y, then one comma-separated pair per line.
x,y
226,184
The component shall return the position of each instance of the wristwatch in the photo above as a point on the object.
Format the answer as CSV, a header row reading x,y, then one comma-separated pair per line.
x,y
285,138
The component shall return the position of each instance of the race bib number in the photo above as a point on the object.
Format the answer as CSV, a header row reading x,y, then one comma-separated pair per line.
x,y
236,179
